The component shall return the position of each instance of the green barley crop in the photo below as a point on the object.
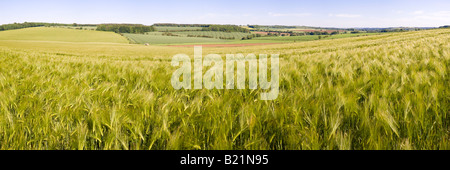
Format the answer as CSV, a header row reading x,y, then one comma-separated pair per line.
x,y
387,91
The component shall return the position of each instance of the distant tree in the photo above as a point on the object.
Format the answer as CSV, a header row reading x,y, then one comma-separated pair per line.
x,y
226,28
180,25
34,24
126,28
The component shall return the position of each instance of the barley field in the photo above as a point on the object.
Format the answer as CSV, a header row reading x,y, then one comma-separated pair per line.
x,y
388,91
40,34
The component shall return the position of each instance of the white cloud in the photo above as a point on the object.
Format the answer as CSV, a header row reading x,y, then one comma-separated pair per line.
x,y
289,14
442,14
345,15
425,19
438,16
418,12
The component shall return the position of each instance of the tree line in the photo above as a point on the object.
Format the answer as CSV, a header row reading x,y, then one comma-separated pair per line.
x,y
179,25
129,28
207,27
28,25
19,26
226,28
126,28
272,26
36,24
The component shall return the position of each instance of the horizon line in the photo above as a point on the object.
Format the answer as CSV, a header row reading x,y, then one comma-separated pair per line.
x,y
232,24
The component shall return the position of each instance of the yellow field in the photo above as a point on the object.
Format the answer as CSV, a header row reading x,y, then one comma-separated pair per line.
x,y
43,34
68,89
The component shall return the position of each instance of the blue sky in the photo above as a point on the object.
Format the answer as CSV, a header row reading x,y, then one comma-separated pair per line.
x,y
326,13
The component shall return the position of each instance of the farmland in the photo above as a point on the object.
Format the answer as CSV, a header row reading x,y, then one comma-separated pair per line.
x,y
158,38
60,34
189,35
184,35
176,29
215,34
311,37
78,89
78,27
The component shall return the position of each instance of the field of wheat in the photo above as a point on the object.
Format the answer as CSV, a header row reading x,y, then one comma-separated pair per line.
x,y
387,91
63,35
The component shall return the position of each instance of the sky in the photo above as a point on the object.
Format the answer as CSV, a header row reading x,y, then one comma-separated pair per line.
x,y
319,13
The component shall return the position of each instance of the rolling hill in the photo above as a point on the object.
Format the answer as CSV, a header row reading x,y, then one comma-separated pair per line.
x,y
61,35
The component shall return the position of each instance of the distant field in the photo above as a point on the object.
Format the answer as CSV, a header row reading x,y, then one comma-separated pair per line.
x,y
313,30
78,27
267,33
61,34
72,34
292,38
311,37
351,35
215,34
297,29
155,38
284,29
171,29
